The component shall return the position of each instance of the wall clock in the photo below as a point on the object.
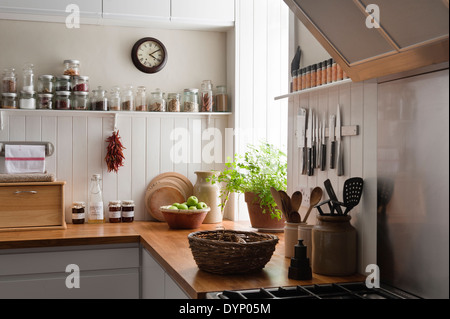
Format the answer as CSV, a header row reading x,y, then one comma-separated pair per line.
x,y
149,55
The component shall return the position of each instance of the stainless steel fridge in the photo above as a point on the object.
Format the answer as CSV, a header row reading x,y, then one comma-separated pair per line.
x,y
413,184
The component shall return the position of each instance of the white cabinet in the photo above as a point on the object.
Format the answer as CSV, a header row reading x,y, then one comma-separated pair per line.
x,y
137,9
104,271
156,283
213,12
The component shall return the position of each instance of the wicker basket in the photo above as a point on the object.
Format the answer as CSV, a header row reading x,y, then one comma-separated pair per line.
x,y
231,252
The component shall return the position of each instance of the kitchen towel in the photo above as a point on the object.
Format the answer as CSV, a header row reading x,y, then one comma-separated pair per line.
x,y
20,159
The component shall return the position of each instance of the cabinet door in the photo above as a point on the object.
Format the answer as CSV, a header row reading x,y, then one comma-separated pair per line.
x,y
204,11
152,277
137,9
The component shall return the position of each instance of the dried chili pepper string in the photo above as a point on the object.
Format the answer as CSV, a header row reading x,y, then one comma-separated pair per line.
x,y
114,155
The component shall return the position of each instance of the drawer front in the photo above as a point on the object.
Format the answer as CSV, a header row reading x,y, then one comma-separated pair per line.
x,y
33,205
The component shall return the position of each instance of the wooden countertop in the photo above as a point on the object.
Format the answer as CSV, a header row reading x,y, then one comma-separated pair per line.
x,y
171,249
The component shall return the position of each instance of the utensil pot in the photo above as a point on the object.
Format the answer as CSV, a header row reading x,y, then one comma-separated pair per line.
x,y
334,246
208,193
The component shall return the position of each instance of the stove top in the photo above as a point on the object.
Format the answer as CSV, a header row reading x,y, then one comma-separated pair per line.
x,y
354,290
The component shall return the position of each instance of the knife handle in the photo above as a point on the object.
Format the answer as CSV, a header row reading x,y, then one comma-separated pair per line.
x,y
340,161
314,156
310,164
333,154
304,161
323,157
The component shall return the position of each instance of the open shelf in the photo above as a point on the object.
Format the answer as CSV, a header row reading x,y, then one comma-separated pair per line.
x,y
317,88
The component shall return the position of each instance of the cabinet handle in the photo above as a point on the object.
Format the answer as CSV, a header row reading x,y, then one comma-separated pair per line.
x,y
29,192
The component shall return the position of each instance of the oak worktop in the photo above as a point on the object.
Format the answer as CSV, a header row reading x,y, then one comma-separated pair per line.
x,y
171,249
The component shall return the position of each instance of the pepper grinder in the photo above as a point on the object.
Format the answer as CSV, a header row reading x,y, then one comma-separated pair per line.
x,y
300,268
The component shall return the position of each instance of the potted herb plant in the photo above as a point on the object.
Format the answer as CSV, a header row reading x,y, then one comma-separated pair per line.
x,y
261,167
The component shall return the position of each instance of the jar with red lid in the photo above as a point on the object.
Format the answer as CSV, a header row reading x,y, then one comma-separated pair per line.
x,y
127,211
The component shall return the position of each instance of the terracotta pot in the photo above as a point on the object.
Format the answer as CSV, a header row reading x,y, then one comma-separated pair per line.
x,y
263,222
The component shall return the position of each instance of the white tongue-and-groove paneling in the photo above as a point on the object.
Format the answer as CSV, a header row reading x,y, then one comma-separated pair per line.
x,y
80,149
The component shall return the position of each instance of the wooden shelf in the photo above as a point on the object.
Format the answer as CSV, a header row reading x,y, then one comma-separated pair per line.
x,y
317,88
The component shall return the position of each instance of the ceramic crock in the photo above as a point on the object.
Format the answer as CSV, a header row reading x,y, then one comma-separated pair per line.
x,y
208,193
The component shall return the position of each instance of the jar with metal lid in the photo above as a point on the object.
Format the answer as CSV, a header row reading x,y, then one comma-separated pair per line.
x,y
80,83
127,211
27,100
333,71
141,99
46,83
71,67
28,78
190,100
173,102
313,75
206,96
44,101
157,102
115,211
78,213
9,101
80,100
329,71
127,99
308,77
62,83
99,100
221,99
62,100
9,81
319,74
114,99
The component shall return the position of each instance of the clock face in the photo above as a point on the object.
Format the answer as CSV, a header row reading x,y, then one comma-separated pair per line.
x,y
149,55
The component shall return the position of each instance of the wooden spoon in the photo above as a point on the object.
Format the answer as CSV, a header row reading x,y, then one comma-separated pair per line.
x,y
296,201
314,199
276,196
286,201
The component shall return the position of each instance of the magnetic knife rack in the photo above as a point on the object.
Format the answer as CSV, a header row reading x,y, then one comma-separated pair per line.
x,y
49,148
351,130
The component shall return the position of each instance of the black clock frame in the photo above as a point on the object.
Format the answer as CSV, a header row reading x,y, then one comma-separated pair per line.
x,y
138,63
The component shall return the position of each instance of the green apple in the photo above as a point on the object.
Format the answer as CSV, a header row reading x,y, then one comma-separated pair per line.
x,y
201,205
192,201
173,207
183,206
175,204
192,207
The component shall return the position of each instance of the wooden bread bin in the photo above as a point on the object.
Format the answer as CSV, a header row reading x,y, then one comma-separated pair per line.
x,y
32,206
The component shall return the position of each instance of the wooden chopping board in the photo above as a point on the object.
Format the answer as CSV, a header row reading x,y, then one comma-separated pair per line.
x,y
162,194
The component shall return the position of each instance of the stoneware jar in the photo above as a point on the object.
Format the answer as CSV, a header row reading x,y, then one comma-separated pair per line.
x,y
334,246
208,193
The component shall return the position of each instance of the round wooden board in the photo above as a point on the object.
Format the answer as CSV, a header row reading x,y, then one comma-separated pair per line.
x,y
162,195
183,181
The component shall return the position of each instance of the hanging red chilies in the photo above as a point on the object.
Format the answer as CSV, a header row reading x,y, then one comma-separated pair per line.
x,y
114,155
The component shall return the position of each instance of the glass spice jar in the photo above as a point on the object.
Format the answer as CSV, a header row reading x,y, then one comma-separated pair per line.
x,y
319,74
115,211
9,81
173,102
80,100
99,100
62,83
27,100
78,213
157,102
80,83
114,99
127,211
313,75
141,99
62,100
71,67
127,99
190,100
294,81
308,77
44,101
324,72
206,96
333,71
302,81
46,83
329,71
9,101
339,73
221,99
28,78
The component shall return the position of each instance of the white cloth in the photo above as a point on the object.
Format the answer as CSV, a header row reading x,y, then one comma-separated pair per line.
x,y
21,159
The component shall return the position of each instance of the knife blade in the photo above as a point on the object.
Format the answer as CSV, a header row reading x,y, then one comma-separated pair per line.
x,y
340,155
319,142
331,127
323,164
314,141
301,138
309,137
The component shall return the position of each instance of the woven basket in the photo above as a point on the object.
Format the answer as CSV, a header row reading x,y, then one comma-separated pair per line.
x,y
231,252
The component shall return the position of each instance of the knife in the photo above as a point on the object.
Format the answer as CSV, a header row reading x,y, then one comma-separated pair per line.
x,y
332,139
340,155
314,141
301,137
319,142
309,137
323,155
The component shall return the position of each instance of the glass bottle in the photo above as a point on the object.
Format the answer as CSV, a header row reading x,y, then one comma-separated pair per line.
x,y
9,81
99,100
95,214
45,84
206,96
78,213
115,211
114,99
157,102
71,67
127,211
141,99
28,78
221,99
127,98
190,100
173,102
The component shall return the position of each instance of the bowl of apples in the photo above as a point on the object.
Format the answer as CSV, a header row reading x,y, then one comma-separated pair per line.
x,y
187,215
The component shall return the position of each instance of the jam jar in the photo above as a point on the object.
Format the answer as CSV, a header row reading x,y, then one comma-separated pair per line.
x,y
62,100
62,83
78,212
115,211
80,83
71,67
44,101
46,83
9,101
127,211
